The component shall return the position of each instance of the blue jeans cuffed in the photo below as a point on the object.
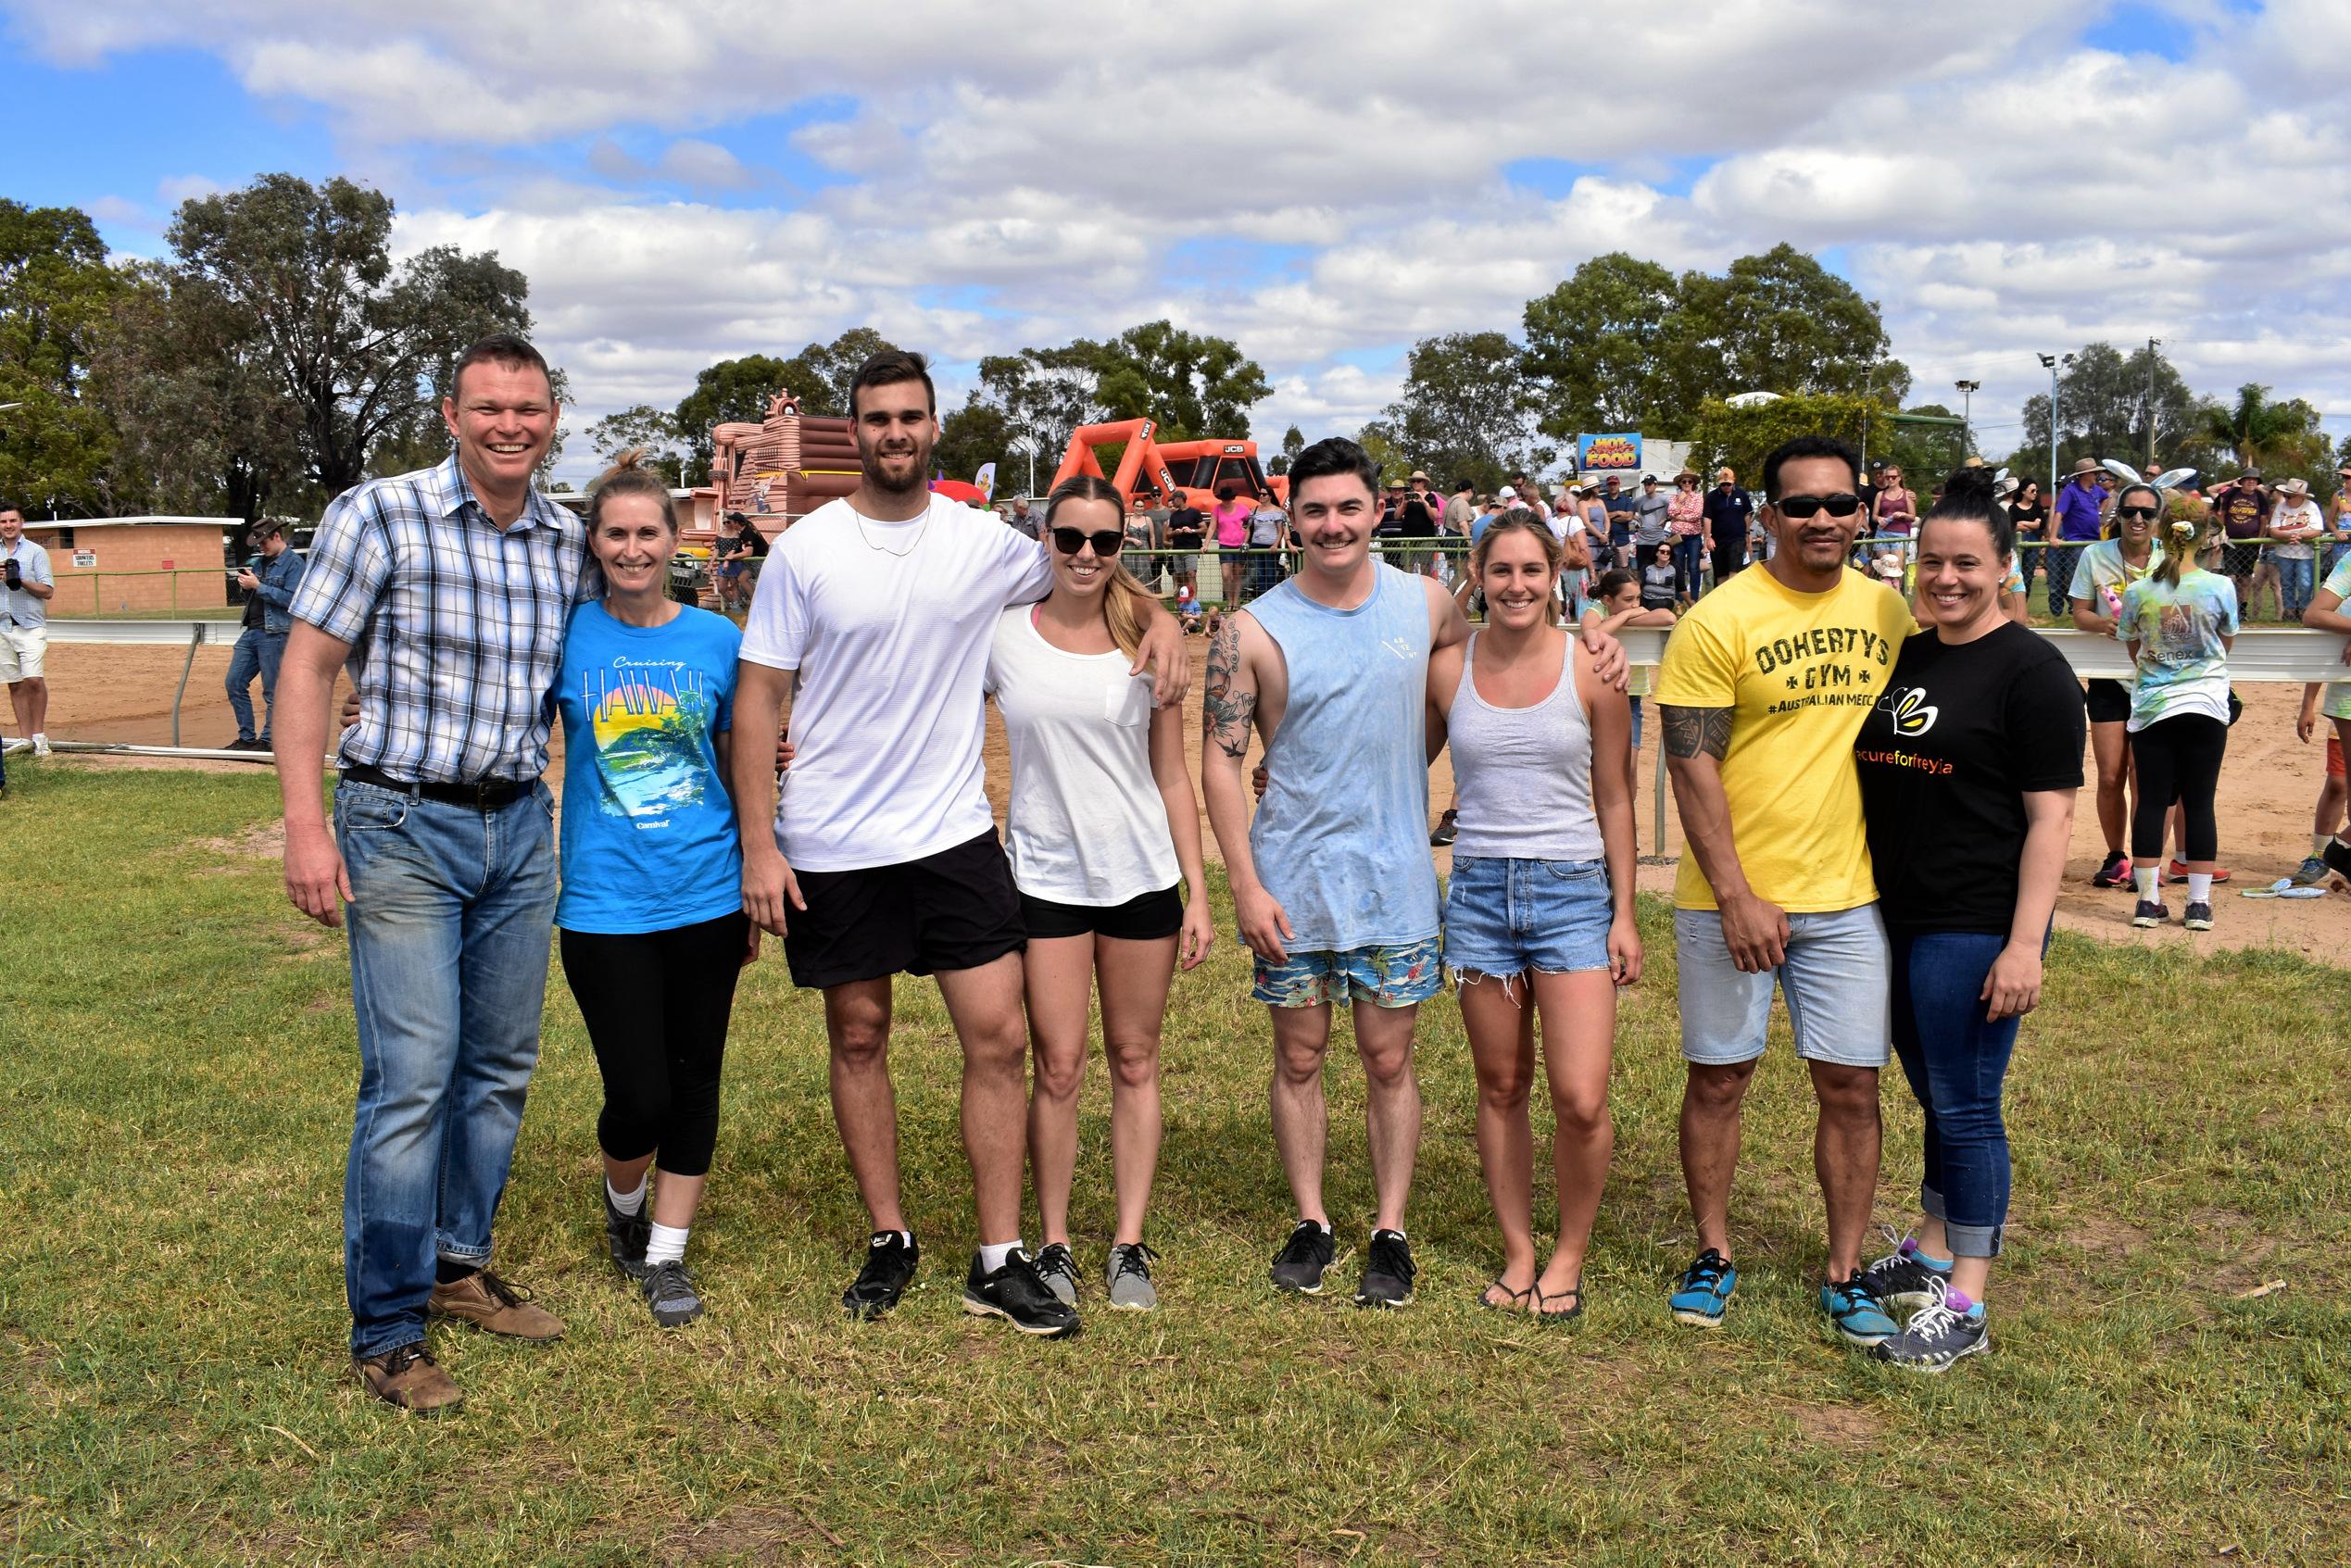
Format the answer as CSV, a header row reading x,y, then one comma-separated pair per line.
x,y
1957,1060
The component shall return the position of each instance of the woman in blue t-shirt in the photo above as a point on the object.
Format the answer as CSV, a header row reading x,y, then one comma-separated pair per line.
x,y
651,919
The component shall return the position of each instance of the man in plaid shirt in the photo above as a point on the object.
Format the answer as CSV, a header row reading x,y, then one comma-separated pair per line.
x,y
445,592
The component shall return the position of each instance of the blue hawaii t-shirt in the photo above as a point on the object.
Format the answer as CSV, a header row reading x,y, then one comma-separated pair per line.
x,y
648,834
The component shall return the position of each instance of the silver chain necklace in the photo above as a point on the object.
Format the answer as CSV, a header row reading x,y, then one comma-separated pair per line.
x,y
884,549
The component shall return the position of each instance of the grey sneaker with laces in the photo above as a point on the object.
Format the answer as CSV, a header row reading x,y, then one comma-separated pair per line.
x,y
669,1292
1128,1277
1059,1270
1946,1330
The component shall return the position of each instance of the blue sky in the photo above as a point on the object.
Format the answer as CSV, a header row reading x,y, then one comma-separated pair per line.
x,y
2001,178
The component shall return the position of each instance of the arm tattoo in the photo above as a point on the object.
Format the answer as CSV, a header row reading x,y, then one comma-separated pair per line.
x,y
1690,731
1224,712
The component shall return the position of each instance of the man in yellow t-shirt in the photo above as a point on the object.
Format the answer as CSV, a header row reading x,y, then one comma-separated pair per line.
x,y
1763,687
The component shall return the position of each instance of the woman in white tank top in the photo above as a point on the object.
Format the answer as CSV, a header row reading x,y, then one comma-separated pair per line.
x,y
1103,827
1539,912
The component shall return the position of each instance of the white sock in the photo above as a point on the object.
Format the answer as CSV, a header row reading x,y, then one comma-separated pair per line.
x,y
2199,888
2145,877
905,1237
993,1253
2318,842
626,1202
666,1243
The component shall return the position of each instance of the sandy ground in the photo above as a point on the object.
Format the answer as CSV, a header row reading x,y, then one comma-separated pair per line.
x,y
2268,787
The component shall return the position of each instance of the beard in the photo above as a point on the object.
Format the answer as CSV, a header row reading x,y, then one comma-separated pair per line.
x,y
918,471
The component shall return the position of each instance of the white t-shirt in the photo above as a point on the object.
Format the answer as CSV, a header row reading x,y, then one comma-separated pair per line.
x,y
888,625
1087,825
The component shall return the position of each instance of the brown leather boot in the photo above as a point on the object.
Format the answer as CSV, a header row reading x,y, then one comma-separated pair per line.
x,y
488,1302
407,1375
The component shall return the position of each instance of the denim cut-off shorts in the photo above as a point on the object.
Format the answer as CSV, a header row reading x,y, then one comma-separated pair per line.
x,y
1503,918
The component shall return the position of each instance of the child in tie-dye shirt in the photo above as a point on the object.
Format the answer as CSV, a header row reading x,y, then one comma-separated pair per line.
x,y
2179,620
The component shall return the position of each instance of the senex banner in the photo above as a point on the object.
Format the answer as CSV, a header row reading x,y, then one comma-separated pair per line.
x,y
1608,453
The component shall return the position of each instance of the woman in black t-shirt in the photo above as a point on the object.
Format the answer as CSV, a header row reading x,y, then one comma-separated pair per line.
x,y
1968,763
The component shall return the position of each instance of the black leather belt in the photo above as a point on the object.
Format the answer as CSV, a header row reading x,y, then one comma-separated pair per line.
x,y
487,795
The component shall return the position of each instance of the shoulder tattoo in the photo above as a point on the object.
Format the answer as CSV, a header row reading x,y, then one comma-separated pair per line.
x,y
1690,731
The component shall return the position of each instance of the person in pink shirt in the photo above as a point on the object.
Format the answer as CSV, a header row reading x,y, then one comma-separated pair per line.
x,y
1686,521
1230,521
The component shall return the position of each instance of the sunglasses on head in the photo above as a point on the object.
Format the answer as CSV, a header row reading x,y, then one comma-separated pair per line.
x,y
1069,540
2138,514
1843,504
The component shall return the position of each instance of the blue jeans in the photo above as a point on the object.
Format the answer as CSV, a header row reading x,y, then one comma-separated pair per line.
x,y
1689,564
2294,585
1957,1060
257,653
451,915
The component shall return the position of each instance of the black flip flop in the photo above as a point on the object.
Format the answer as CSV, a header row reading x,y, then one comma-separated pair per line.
x,y
1517,1298
1568,1316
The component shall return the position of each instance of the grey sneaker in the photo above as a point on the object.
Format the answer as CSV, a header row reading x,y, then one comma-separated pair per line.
x,y
1902,1279
1129,1277
1945,1330
669,1291
2311,873
1059,1270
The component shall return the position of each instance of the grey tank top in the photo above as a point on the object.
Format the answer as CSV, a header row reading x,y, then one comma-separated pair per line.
x,y
1524,774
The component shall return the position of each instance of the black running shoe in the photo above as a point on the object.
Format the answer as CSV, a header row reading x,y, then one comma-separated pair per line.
x,y
669,1291
1448,829
2116,872
2199,916
1902,1278
1387,1272
1018,1294
624,1235
1300,1263
2149,913
889,1269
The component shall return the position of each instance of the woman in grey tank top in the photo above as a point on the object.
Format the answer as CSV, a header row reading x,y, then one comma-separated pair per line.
x,y
1539,914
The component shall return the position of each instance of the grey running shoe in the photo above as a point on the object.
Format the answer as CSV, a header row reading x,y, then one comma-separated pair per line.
x,y
1129,1277
2149,913
2199,916
1387,1272
1304,1258
624,1235
669,1291
1059,1270
1902,1279
1944,1330
2312,871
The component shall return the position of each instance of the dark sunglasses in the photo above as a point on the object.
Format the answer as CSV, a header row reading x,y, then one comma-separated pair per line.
x,y
2137,514
1843,504
1069,540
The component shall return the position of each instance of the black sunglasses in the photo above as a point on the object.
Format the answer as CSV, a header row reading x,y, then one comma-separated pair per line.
x,y
2138,514
1069,540
1843,504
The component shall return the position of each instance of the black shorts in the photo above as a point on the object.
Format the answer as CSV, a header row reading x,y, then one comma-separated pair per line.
x,y
2109,701
955,909
1154,917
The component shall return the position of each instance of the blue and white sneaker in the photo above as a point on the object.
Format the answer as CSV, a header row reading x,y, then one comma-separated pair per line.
x,y
1903,1278
1945,1329
1705,1291
1857,1312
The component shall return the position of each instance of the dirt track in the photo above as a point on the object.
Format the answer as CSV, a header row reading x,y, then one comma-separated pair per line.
x,y
2268,787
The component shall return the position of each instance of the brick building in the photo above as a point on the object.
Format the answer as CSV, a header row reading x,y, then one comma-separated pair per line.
x,y
130,565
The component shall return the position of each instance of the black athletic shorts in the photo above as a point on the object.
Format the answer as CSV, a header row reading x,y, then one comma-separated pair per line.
x,y
1151,918
955,909
2109,701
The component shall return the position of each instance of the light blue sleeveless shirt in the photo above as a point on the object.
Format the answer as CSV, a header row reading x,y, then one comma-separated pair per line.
x,y
1341,838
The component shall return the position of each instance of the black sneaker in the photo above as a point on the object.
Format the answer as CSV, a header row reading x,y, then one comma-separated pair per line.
x,y
624,1235
1387,1272
1059,1270
2150,912
2116,872
890,1259
1018,1294
1447,830
1902,1278
669,1291
2199,916
1300,1263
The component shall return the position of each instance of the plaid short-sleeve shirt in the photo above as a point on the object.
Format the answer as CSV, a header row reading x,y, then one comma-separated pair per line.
x,y
456,625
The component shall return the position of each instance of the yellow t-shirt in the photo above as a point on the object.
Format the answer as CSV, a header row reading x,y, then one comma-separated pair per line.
x,y
1802,671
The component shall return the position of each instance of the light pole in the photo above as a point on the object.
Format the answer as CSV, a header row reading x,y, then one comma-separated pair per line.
x,y
2051,361
1026,446
1968,390
2153,344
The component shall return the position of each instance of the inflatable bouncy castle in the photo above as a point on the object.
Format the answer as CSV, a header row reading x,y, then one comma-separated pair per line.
x,y
781,468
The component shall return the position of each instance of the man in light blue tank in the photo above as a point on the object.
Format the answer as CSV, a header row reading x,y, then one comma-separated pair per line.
x,y
1332,884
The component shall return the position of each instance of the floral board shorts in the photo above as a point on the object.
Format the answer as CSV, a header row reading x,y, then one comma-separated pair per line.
x,y
1390,977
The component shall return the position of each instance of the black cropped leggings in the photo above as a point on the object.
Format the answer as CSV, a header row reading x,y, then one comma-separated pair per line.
x,y
2177,758
656,1005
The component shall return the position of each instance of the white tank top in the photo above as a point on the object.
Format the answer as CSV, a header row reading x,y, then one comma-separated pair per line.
x,y
1524,774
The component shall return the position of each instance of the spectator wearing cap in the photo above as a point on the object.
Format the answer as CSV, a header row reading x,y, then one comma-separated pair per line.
x,y
1730,512
1648,511
261,644
1619,507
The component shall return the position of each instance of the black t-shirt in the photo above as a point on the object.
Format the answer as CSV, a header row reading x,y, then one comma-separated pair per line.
x,y
1414,521
1186,528
1946,758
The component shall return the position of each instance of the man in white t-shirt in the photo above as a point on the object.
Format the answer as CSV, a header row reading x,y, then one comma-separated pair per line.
x,y
876,612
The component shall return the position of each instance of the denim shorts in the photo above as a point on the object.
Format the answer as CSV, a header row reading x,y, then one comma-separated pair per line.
x,y
1506,917
1837,976
1400,976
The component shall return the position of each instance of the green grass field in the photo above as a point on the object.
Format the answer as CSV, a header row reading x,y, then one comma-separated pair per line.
x,y
178,1065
